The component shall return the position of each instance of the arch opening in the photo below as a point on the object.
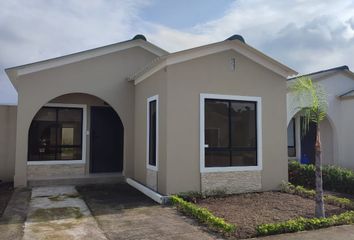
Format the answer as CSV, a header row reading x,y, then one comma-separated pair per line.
x,y
301,143
73,135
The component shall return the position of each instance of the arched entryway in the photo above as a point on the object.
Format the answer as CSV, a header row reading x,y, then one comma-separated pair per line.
x,y
301,143
75,134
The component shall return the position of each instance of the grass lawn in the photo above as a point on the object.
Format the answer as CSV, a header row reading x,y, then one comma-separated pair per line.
x,y
252,209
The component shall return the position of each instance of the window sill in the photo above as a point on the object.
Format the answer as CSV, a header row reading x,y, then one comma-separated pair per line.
x,y
230,169
152,168
55,162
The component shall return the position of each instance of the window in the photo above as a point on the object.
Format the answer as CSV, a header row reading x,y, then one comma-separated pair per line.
x,y
152,132
291,139
231,134
56,134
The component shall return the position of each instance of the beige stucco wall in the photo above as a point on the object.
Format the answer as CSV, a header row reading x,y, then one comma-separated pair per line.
x,y
104,77
7,142
154,85
213,74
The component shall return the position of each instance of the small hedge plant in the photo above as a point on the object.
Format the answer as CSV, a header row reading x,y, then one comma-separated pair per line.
x,y
309,193
334,178
301,224
203,215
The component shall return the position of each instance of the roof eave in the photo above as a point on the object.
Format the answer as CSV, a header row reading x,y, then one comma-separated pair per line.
x,y
238,46
83,55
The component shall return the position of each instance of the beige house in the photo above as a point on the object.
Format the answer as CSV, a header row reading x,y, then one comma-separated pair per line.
x,y
203,119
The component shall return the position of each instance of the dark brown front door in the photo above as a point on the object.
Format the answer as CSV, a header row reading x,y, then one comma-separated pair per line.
x,y
106,146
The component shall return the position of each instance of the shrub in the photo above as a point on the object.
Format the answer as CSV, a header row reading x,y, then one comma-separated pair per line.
x,y
334,178
194,196
301,224
309,193
203,215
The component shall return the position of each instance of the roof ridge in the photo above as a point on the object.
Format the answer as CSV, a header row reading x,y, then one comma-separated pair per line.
x,y
340,68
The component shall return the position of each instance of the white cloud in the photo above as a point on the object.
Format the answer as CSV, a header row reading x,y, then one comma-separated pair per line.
x,y
306,35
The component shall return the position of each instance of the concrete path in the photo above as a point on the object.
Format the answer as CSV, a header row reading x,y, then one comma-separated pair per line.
x,y
57,213
333,233
13,219
124,213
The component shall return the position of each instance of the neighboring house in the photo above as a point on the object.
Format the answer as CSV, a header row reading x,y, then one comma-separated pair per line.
x,y
207,118
337,133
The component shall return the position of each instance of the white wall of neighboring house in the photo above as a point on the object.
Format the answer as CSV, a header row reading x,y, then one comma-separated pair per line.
x,y
337,131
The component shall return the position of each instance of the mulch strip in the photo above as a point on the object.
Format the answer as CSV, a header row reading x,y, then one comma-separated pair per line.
x,y
249,210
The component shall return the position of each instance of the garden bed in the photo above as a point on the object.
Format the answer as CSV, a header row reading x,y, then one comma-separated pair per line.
x,y
6,190
247,211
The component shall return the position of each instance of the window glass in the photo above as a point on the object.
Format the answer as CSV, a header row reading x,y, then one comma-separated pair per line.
x,y
230,133
152,133
56,134
217,123
243,124
217,158
244,158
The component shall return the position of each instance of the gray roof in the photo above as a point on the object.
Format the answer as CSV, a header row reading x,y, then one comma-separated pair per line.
x,y
340,68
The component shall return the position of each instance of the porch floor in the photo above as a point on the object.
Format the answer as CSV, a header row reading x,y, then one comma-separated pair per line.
x,y
93,178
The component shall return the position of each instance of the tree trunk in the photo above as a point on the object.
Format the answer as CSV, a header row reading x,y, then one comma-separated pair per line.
x,y
319,209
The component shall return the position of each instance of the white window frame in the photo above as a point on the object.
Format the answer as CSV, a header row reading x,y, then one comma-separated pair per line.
x,y
150,99
84,129
258,101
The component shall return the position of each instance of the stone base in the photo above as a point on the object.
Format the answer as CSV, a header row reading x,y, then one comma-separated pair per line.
x,y
55,170
231,182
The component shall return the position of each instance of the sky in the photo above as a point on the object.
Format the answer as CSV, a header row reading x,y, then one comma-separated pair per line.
x,y
306,35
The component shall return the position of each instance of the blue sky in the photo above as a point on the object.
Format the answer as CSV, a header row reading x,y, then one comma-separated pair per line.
x,y
307,35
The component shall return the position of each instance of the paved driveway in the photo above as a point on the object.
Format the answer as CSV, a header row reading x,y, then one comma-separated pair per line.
x,y
123,212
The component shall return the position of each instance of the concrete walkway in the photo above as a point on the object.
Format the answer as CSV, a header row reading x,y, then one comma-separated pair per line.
x,y
13,219
124,213
59,213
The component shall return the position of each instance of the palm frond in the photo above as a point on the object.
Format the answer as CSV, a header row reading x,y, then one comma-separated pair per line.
x,y
312,100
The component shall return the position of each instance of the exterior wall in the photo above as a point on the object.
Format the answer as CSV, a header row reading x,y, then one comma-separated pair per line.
x,y
336,129
104,77
213,74
327,142
154,85
346,134
7,142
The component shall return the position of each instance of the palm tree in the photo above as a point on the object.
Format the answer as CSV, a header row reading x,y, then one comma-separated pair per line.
x,y
312,100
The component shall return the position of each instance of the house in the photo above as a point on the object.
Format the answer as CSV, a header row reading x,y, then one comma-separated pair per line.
x,y
203,119
337,134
